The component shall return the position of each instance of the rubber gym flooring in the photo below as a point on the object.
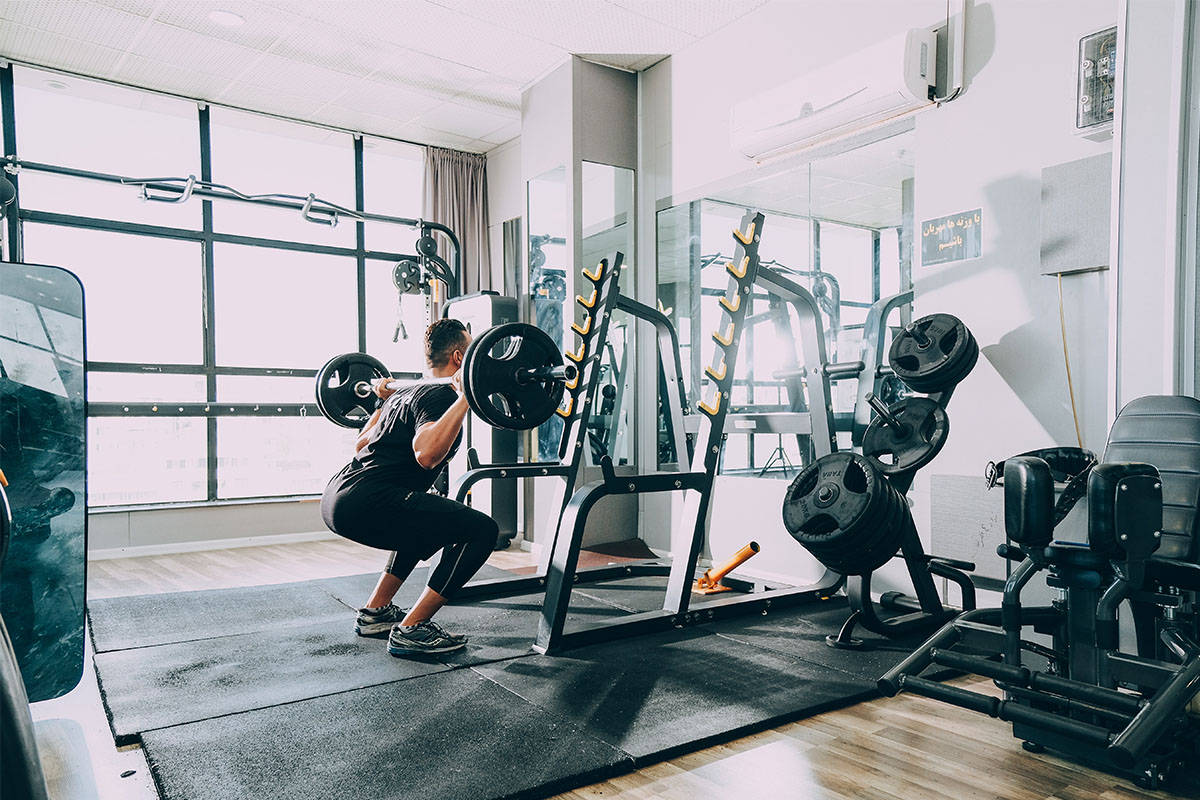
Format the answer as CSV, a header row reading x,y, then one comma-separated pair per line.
x,y
266,692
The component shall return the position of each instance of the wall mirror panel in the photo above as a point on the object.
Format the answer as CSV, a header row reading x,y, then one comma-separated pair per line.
x,y
43,423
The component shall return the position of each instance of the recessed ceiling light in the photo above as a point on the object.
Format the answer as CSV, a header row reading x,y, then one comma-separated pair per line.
x,y
226,19
53,84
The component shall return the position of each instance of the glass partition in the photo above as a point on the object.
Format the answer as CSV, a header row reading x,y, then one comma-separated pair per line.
x,y
548,230
608,227
43,416
839,227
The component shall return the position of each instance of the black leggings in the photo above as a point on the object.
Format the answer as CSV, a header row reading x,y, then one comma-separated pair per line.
x,y
414,525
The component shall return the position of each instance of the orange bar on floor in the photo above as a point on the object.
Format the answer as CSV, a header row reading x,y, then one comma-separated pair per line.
x,y
709,582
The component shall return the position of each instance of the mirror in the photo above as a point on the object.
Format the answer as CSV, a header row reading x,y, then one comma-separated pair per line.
x,y
547,281
43,424
607,227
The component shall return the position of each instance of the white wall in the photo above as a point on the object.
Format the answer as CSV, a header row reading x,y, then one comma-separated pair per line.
x,y
506,199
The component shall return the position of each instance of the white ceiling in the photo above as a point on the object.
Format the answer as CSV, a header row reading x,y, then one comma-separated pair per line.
x,y
441,72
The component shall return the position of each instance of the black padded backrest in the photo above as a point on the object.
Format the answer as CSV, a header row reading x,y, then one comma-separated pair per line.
x,y
1164,430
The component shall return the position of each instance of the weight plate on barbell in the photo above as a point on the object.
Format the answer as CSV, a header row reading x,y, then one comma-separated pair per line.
x,y
337,397
925,428
492,376
934,354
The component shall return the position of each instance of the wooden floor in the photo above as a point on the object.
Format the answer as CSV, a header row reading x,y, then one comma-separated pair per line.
x,y
906,748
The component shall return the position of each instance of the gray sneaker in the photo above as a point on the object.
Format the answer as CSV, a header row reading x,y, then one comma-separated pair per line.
x,y
375,623
424,637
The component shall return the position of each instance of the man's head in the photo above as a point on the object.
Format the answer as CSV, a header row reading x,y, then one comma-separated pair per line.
x,y
443,339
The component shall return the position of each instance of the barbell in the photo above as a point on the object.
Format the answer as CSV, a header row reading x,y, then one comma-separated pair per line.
x,y
512,376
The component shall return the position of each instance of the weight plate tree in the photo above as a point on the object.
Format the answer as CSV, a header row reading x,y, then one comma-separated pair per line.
x,y
933,354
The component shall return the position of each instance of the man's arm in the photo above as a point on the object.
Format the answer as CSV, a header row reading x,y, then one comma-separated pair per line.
x,y
365,433
434,439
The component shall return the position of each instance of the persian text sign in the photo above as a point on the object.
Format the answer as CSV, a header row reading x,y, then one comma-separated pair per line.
x,y
951,238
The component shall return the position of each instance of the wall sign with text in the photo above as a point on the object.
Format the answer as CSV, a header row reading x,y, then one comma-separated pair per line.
x,y
953,238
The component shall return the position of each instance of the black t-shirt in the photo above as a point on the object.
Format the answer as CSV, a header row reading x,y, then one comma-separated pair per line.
x,y
388,453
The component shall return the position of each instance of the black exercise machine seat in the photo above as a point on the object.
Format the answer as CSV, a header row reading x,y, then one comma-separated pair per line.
x,y
1165,431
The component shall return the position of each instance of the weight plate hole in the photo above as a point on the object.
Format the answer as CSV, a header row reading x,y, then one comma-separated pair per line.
x,y
947,342
855,478
819,526
907,363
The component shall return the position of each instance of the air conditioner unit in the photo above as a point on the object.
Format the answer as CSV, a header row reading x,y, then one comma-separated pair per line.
x,y
870,87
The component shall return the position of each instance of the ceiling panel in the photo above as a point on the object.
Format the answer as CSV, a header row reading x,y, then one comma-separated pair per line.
x,y
419,133
84,22
469,122
159,75
501,95
698,19
382,100
332,48
187,50
272,101
22,43
264,24
426,73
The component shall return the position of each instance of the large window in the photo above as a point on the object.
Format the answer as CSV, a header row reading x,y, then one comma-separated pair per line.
x,y
206,331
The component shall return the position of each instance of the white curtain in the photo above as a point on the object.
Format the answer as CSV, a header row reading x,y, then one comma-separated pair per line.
x,y
456,196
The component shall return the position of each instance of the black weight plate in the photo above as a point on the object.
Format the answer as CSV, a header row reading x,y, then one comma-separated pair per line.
x,y
949,345
883,546
336,397
492,367
926,428
834,500
953,374
860,553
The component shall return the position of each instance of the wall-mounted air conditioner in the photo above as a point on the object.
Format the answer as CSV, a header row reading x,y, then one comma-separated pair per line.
x,y
872,86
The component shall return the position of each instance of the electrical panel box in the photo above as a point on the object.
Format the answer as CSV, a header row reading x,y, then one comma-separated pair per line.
x,y
1095,89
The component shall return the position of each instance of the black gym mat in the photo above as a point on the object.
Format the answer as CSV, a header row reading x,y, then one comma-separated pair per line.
x,y
454,736
153,687
800,633
662,695
119,623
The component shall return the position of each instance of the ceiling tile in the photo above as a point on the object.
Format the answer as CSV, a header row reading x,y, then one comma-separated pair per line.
x,y
250,97
423,135
469,122
500,95
264,24
333,48
284,75
421,72
504,134
143,8
358,120
447,34
174,78
23,43
202,54
696,17
385,101
622,31
84,22
546,20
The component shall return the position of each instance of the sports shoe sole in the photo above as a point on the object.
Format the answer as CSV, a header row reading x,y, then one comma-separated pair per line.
x,y
373,628
400,651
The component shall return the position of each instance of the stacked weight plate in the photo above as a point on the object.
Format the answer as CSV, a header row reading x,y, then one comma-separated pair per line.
x,y
846,513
